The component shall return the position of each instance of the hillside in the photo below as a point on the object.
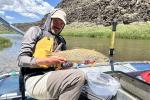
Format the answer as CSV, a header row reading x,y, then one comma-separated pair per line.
x,y
103,11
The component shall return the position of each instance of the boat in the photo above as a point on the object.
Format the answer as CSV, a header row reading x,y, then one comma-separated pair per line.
x,y
131,87
126,73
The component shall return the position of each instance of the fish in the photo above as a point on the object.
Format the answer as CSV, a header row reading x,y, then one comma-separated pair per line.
x,y
82,56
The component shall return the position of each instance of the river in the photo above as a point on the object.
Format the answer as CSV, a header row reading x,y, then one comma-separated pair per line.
x,y
125,49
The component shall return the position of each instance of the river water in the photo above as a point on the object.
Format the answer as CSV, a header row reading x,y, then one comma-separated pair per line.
x,y
125,50
8,56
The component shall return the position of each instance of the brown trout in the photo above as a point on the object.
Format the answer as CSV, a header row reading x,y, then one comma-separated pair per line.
x,y
80,56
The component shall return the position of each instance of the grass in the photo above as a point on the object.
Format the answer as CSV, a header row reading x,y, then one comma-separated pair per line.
x,y
136,30
139,30
4,43
6,32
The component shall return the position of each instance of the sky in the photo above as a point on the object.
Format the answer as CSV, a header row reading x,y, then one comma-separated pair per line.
x,y
21,11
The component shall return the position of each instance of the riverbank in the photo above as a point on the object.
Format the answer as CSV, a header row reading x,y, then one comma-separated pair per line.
x,y
4,43
136,30
6,32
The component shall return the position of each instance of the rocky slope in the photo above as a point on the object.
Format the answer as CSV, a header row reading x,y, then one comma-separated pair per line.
x,y
103,11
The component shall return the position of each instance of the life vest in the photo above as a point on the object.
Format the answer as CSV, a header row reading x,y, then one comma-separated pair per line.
x,y
44,47
47,45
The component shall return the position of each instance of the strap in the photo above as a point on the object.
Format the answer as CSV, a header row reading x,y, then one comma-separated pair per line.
x,y
60,39
21,83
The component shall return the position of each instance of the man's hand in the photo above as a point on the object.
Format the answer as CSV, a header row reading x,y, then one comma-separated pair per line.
x,y
45,62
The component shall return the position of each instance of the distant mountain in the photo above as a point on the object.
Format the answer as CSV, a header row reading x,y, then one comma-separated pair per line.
x,y
103,11
25,26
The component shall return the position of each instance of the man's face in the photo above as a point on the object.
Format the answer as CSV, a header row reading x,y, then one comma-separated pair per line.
x,y
57,25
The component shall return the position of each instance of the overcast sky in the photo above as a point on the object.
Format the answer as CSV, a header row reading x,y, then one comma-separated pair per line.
x,y
15,11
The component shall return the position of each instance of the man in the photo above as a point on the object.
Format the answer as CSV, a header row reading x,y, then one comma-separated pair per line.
x,y
40,81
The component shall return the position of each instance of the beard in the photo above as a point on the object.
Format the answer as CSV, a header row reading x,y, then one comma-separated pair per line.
x,y
56,30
